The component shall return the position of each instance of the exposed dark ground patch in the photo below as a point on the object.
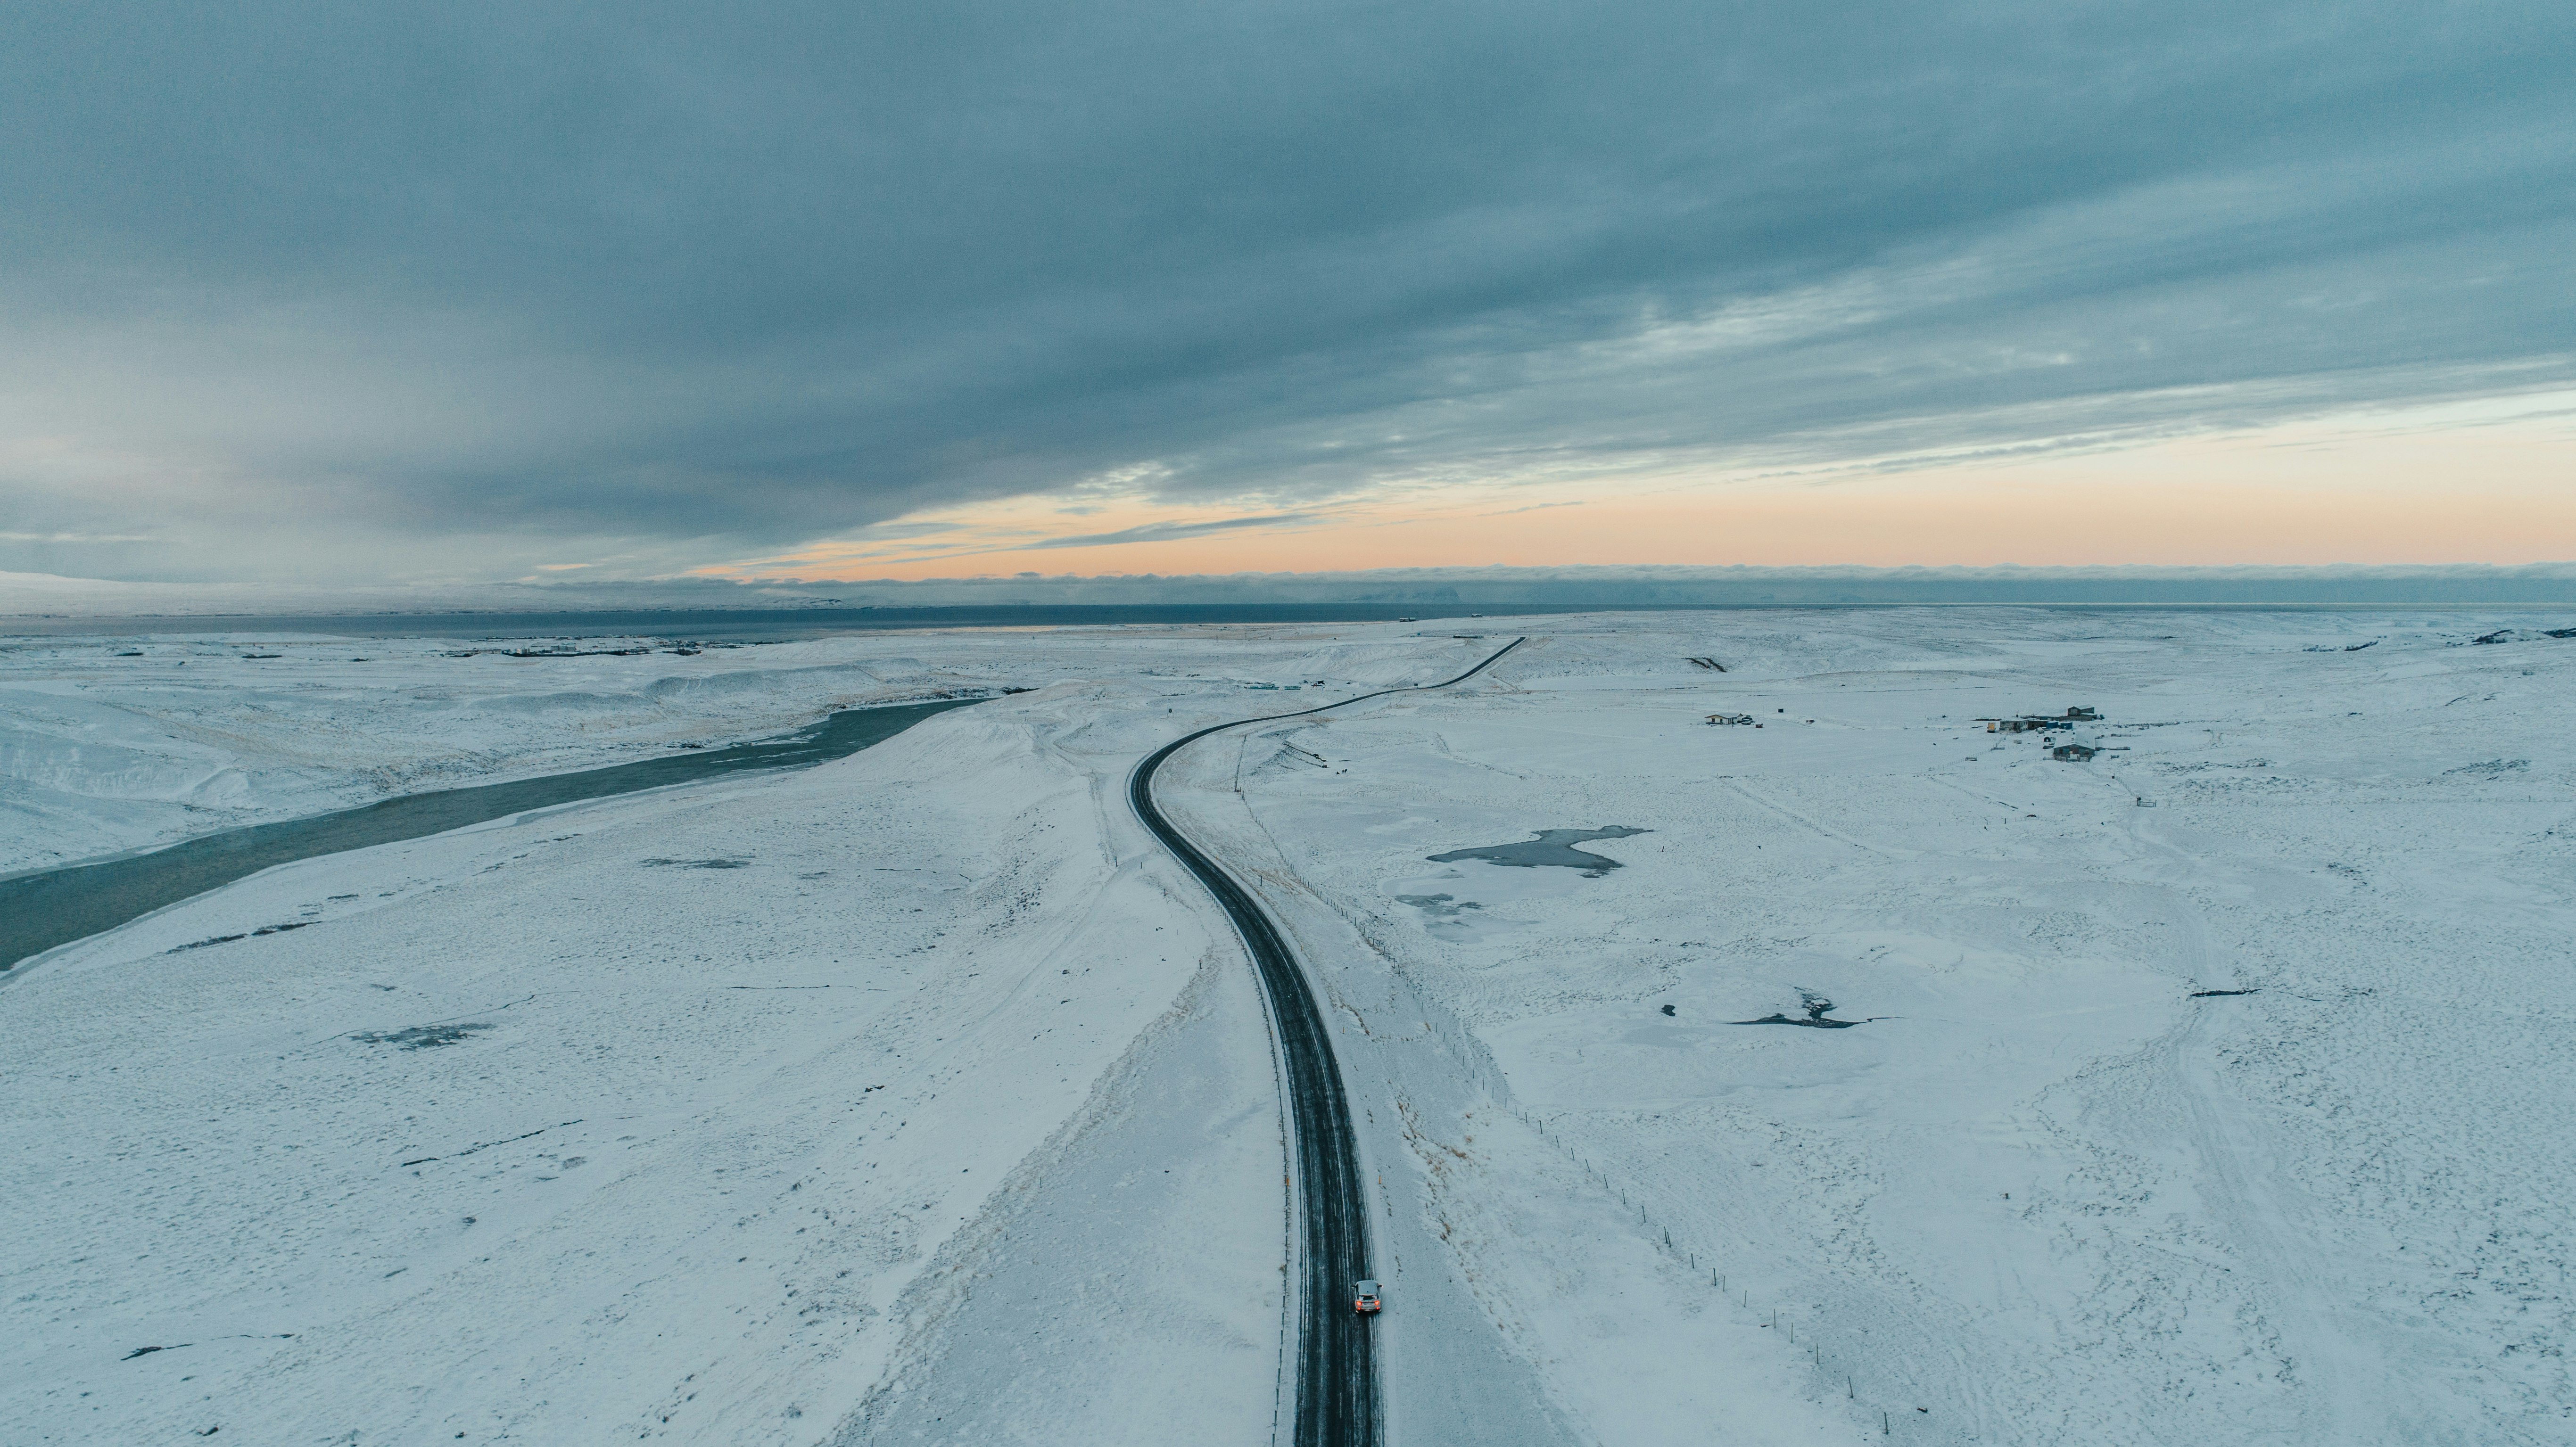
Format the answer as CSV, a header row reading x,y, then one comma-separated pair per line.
x,y
1817,1007
1438,906
184,1345
420,1037
266,929
699,863
1551,848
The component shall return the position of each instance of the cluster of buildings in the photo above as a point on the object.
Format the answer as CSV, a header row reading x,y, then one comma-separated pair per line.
x,y
2073,749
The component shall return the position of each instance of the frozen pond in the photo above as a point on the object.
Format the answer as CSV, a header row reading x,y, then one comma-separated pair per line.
x,y
1552,847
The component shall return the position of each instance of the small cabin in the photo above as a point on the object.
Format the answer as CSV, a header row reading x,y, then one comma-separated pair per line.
x,y
2073,752
1730,718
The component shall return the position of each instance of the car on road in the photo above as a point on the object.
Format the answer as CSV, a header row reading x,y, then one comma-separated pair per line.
x,y
1365,1298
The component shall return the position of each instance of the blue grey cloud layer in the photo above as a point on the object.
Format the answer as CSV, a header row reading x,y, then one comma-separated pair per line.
x,y
752,274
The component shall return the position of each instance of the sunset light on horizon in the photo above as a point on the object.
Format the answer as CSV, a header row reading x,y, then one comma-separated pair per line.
x,y
2416,485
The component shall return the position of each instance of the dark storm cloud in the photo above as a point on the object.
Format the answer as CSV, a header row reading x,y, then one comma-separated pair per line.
x,y
760,273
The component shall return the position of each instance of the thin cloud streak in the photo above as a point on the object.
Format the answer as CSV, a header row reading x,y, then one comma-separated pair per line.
x,y
1169,532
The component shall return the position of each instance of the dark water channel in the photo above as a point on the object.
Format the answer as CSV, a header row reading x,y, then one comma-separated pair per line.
x,y
56,906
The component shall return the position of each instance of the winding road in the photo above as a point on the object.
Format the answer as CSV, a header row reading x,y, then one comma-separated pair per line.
x,y
1337,1390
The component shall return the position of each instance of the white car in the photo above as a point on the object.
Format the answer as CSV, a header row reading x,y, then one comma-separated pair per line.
x,y
1365,1298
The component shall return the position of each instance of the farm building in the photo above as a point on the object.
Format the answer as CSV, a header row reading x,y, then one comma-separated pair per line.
x,y
2041,722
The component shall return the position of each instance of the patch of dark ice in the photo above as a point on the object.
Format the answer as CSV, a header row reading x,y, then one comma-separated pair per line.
x,y
1817,1007
1551,847
419,1037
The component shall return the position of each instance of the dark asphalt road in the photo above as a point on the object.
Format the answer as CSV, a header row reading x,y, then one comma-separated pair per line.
x,y
56,906
1337,1390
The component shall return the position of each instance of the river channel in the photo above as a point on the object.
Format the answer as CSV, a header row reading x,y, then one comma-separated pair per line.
x,y
56,906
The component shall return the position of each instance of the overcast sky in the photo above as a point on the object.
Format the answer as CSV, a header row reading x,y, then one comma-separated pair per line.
x,y
313,291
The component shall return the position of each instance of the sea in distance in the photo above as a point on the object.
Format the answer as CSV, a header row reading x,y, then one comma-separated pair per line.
x,y
751,625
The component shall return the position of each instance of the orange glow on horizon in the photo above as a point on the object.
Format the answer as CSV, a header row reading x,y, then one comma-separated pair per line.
x,y
2387,490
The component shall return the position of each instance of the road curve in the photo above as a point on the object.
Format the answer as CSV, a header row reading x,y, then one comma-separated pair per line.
x,y
1337,1394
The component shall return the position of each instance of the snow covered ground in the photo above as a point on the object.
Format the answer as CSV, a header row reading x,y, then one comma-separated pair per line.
x,y
860,1103
117,743
917,1098
2049,1192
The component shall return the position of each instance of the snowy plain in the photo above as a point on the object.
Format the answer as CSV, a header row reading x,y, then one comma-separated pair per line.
x,y
916,1097
120,742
